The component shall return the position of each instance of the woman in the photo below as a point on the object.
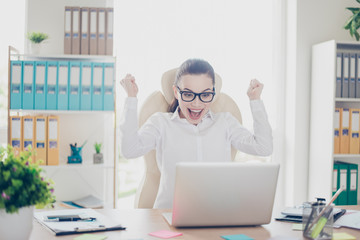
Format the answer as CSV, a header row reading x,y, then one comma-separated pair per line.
x,y
190,131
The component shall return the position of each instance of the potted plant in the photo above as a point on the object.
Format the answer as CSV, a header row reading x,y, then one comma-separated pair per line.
x,y
98,156
353,23
21,188
36,38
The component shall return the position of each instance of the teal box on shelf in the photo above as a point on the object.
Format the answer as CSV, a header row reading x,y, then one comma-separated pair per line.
x,y
86,86
63,85
28,85
52,85
74,85
40,85
98,86
16,84
109,86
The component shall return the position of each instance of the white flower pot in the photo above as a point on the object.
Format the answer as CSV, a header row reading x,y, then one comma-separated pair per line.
x,y
35,48
16,226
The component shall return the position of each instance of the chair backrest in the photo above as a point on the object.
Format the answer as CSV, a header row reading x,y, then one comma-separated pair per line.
x,y
159,102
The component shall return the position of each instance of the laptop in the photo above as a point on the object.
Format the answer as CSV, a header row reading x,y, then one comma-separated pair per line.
x,y
223,194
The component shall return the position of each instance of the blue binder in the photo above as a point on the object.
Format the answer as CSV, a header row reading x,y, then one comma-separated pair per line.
x,y
108,86
98,86
86,89
51,85
74,86
16,84
63,85
28,85
40,85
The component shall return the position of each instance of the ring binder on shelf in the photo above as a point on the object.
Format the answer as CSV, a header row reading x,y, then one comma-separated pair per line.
x,y
16,84
52,85
40,85
28,85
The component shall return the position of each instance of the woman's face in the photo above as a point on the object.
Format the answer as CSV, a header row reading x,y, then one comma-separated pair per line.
x,y
194,110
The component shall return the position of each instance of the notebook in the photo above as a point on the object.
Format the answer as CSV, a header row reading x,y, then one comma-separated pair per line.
x,y
223,194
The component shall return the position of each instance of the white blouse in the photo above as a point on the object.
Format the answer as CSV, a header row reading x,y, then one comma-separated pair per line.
x,y
176,140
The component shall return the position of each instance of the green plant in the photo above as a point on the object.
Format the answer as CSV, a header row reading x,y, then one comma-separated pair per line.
x,y
97,147
37,37
21,182
353,23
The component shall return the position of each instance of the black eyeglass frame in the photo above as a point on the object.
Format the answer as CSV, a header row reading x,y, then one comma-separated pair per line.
x,y
196,94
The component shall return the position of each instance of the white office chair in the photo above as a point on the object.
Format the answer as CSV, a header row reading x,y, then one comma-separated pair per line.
x,y
159,102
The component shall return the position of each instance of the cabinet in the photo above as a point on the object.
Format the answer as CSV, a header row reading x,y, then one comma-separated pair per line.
x,y
322,120
73,181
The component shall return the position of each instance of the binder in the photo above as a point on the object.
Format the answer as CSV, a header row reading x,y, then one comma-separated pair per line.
x,y
40,139
28,132
339,64
74,86
16,134
109,31
354,146
51,85
335,186
86,89
63,88
357,73
352,184
101,31
98,83
40,85
16,84
344,131
75,37
84,30
337,131
343,197
93,31
345,77
53,140
352,83
28,85
108,86
28,128
67,31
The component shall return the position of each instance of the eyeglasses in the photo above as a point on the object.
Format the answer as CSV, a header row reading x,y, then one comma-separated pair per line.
x,y
189,96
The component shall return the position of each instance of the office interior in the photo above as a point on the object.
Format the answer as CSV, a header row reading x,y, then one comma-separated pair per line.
x,y
141,29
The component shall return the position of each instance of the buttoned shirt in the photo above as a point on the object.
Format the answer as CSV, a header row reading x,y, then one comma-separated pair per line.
x,y
176,140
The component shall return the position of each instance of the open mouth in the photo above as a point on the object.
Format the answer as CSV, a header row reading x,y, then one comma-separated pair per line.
x,y
195,114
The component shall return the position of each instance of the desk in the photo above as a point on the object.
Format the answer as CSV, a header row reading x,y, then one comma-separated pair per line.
x,y
140,222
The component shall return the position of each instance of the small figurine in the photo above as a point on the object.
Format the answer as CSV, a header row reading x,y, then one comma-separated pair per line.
x,y
75,153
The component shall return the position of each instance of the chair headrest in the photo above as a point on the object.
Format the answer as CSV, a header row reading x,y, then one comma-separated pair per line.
x,y
167,81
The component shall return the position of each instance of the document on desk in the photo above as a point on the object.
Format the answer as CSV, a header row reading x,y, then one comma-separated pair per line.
x,y
100,224
350,219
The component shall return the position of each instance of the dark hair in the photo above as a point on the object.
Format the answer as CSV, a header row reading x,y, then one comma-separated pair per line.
x,y
193,67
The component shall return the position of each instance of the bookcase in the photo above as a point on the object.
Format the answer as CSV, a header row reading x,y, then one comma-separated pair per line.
x,y
324,99
74,181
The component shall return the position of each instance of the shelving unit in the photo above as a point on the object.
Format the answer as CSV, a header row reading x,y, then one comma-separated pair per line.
x,y
322,122
73,181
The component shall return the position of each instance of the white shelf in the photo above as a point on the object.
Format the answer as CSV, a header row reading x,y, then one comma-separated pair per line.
x,y
77,166
64,57
48,112
322,122
356,100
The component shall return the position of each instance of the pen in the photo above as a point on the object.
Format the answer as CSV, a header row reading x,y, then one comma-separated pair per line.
x,y
68,219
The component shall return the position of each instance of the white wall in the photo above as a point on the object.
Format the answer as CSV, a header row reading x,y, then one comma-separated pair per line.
x,y
48,17
314,22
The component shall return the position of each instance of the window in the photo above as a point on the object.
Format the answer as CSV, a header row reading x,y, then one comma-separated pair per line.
x,y
12,34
